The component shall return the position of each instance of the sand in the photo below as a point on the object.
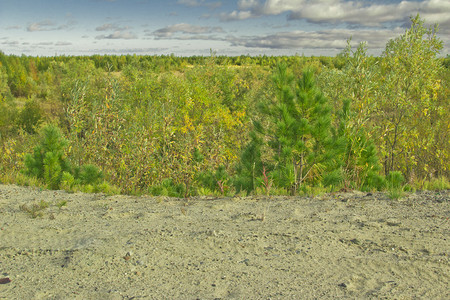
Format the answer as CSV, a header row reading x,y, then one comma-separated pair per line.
x,y
346,245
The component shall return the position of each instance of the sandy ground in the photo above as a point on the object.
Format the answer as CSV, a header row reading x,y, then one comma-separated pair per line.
x,y
348,245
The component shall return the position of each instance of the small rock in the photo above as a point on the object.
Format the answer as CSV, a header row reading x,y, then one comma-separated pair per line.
x,y
355,241
127,257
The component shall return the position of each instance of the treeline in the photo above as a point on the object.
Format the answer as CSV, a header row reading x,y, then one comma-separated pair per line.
x,y
28,76
183,126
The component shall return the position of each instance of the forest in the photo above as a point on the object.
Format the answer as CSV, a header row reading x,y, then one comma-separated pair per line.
x,y
219,125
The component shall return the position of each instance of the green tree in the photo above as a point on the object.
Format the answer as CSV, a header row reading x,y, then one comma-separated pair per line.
x,y
30,116
399,100
4,88
407,105
300,133
48,161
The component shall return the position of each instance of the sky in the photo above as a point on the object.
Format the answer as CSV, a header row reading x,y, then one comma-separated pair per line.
x,y
195,27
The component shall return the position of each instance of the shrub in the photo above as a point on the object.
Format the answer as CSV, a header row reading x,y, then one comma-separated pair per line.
x,y
217,181
90,174
394,183
30,117
440,183
168,188
49,164
35,210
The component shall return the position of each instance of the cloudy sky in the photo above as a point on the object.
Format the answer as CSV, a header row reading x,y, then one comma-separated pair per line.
x,y
193,27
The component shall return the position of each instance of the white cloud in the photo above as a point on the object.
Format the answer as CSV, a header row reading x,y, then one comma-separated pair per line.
x,y
10,43
195,3
116,35
337,11
236,16
334,39
189,2
117,32
330,39
354,14
111,27
105,27
41,26
48,25
63,44
183,28
248,4
437,11
369,13
68,25
44,44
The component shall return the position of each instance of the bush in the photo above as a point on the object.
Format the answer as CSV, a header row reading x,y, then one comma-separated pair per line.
x,y
90,174
440,183
394,183
168,188
30,117
49,164
218,181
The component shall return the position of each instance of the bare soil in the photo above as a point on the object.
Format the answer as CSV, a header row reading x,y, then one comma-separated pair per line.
x,y
346,245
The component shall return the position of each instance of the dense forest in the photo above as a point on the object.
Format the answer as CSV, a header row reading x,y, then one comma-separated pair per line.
x,y
185,126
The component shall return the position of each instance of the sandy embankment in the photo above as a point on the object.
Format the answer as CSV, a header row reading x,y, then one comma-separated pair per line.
x,y
349,245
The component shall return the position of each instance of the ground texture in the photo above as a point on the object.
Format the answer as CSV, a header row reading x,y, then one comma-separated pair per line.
x,y
344,245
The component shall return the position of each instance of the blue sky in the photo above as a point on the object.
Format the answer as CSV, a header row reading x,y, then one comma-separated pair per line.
x,y
193,27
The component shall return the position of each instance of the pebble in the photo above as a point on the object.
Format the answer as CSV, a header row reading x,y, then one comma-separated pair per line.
x,y
5,280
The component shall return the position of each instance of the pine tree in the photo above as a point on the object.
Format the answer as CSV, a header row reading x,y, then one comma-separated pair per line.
x,y
299,134
306,148
48,161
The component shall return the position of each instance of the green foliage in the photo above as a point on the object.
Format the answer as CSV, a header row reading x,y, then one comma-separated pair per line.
x,y
50,164
218,181
35,210
300,133
4,87
89,174
8,116
48,161
408,105
168,188
250,165
30,117
395,181
106,188
440,183
400,101
161,122
67,181
52,170
61,203
361,165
